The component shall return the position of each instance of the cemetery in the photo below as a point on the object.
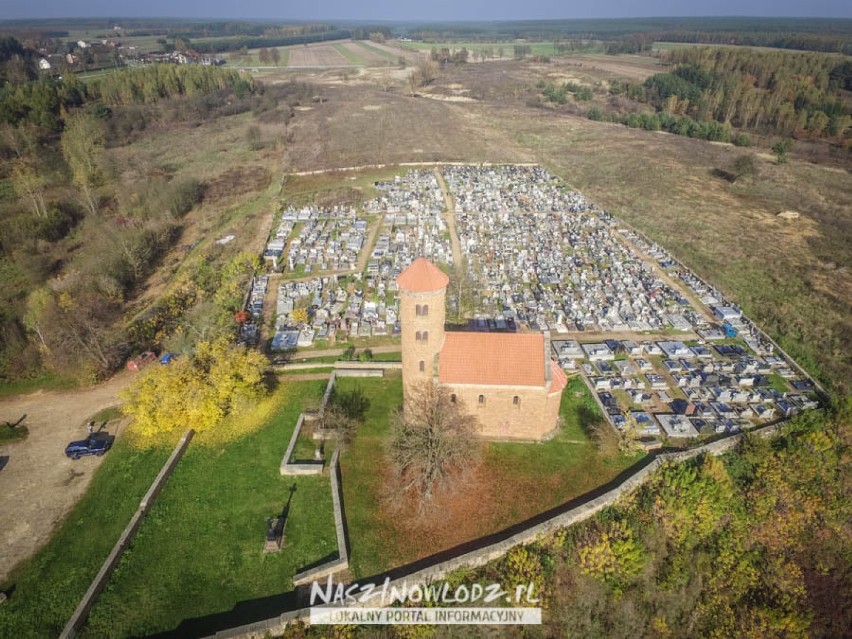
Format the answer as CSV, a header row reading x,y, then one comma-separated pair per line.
x,y
664,353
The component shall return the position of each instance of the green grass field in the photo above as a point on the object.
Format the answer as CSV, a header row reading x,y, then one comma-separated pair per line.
x,y
351,56
199,552
45,382
369,47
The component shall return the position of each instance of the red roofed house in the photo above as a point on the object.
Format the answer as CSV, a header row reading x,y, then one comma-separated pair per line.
x,y
506,379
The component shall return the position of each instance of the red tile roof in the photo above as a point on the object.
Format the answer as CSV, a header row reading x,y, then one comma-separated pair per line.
x,y
508,359
559,379
422,277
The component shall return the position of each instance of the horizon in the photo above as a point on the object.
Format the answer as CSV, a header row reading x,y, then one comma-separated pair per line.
x,y
440,11
426,21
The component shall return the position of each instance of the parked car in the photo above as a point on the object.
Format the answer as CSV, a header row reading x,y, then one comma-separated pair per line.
x,y
138,363
167,358
89,446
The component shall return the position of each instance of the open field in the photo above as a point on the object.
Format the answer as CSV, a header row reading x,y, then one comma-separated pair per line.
x,y
235,58
536,48
238,181
318,55
513,483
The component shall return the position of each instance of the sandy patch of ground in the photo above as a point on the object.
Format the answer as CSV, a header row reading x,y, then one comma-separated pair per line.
x,y
449,98
39,485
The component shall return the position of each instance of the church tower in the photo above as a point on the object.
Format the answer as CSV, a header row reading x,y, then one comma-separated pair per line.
x,y
422,293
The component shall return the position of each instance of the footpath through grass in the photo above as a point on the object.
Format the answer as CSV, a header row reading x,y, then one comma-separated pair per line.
x,y
515,481
199,551
48,588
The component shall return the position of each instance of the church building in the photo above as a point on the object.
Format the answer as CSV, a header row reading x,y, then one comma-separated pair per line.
x,y
507,380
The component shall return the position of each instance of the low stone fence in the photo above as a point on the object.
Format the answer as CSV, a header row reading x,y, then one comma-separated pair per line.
x,y
490,552
342,562
310,466
290,467
99,583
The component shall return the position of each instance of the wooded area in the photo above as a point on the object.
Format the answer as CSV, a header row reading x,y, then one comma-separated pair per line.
x,y
78,237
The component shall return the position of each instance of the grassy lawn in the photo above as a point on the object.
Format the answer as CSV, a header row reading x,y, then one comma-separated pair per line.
x,y
199,552
12,434
48,381
513,483
48,588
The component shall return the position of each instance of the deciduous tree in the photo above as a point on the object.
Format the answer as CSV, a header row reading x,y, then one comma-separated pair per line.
x,y
433,442
197,391
82,145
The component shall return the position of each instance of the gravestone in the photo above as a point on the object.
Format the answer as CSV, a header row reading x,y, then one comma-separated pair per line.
x,y
274,534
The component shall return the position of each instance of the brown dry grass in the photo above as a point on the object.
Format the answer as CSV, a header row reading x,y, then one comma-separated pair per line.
x,y
317,55
238,186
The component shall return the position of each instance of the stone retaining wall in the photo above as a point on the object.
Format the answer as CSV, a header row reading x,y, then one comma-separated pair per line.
x,y
99,583
342,562
490,552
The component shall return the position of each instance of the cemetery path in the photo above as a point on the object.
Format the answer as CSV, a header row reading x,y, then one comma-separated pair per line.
x,y
39,485
450,214
368,246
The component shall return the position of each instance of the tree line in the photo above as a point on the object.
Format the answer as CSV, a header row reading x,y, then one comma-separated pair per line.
x,y
77,236
803,41
42,102
788,94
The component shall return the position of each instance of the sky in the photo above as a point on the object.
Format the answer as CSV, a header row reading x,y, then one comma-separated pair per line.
x,y
426,10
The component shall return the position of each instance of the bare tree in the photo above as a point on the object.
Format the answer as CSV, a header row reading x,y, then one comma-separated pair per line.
x,y
433,442
424,73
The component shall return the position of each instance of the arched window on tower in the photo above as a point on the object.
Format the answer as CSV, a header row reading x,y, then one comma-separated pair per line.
x,y
425,310
418,310
453,398
421,336
516,401
422,366
482,400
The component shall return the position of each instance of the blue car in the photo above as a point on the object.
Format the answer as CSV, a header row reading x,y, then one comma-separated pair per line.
x,y
90,446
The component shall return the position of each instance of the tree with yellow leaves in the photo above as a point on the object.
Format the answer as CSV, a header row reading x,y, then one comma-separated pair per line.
x,y
196,391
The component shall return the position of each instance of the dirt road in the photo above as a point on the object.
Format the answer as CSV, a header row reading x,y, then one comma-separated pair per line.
x,y
39,485
450,214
